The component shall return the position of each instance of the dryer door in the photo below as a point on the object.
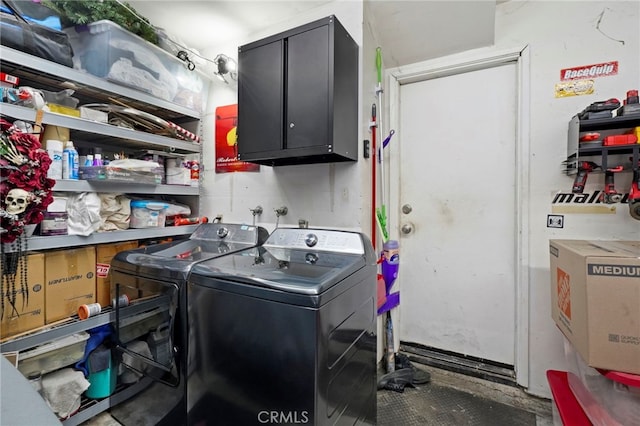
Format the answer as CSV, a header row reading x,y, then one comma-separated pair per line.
x,y
145,337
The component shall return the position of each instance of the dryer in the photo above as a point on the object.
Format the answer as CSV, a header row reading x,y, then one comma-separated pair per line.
x,y
285,333
159,273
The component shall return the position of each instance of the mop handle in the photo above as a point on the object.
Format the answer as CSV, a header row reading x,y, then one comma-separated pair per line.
x,y
380,128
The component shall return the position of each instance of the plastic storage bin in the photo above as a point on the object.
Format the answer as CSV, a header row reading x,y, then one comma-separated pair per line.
x,y
177,172
604,401
159,342
148,214
54,223
119,174
53,355
105,49
565,405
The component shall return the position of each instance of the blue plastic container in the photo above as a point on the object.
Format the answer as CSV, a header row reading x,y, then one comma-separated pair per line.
x,y
148,214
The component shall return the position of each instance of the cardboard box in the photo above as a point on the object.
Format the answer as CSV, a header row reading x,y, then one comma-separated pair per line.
x,y
30,314
70,281
595,300
104,255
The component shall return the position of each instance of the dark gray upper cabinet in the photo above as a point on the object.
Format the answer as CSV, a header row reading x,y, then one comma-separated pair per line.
x,y
298,96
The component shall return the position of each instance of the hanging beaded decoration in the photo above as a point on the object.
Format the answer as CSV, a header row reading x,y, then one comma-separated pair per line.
x,y
14,273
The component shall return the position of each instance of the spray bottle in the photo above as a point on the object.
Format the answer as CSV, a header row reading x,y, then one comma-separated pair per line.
x,y
390,266
390,263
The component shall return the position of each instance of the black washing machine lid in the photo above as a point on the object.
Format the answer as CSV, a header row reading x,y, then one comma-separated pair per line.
x,y
300,261
173,260
264,267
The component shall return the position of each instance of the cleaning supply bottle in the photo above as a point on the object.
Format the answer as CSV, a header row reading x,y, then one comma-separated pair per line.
x,y
97,157
54,149
390,263
82,156
70,162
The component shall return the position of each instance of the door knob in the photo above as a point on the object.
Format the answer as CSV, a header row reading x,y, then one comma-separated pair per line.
x,y
406,209
407,228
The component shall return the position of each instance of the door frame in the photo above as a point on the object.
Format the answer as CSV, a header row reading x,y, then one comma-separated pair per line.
x,y
455,64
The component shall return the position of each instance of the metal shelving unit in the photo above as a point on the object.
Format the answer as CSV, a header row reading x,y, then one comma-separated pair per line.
x,y
75,325
576,150
90,408
132,188
132,138
68,241
42,74
52,74
97,407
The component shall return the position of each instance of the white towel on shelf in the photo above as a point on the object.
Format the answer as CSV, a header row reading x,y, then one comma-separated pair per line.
x,y
83,211
62,390
115,211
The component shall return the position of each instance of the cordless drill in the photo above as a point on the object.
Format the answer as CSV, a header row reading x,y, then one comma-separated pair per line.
x,y
634,195
610,195
584,168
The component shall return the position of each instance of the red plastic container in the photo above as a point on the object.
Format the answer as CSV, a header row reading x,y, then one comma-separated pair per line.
x,y
620,140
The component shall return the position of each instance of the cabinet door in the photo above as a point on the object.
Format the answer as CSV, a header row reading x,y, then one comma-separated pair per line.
x,y
307,90
260,98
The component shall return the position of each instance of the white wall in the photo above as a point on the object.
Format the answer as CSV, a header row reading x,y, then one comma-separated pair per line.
x,y
559,35
327,195
563,35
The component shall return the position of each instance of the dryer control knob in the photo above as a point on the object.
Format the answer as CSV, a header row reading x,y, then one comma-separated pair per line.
x,y
223,232
311,240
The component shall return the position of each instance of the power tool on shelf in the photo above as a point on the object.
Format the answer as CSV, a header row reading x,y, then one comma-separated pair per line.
x,y
599,109
630,105
634,194
610,195
584,168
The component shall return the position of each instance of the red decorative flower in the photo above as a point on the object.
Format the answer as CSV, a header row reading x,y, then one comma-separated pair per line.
x,y
24,165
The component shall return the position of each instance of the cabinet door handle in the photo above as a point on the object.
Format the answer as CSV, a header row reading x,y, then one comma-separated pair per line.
x,y
291,125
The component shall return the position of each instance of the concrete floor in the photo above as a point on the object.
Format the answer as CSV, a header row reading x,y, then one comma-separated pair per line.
x,y
453,399
450,399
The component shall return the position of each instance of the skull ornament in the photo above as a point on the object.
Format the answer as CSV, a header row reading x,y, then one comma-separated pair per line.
x,y
17,201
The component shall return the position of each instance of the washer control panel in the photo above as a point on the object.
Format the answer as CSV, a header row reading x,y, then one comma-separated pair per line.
x,y
318,239
229,232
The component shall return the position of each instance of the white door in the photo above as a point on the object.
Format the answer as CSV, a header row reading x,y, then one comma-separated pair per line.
x,y
457,152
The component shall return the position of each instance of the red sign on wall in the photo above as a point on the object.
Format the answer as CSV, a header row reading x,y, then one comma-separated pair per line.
x,y
227,142
604,69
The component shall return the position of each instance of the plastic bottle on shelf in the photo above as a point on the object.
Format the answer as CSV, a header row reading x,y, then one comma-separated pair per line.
x,y
70,162
54,149
97,157
85,311
195,173
82,156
